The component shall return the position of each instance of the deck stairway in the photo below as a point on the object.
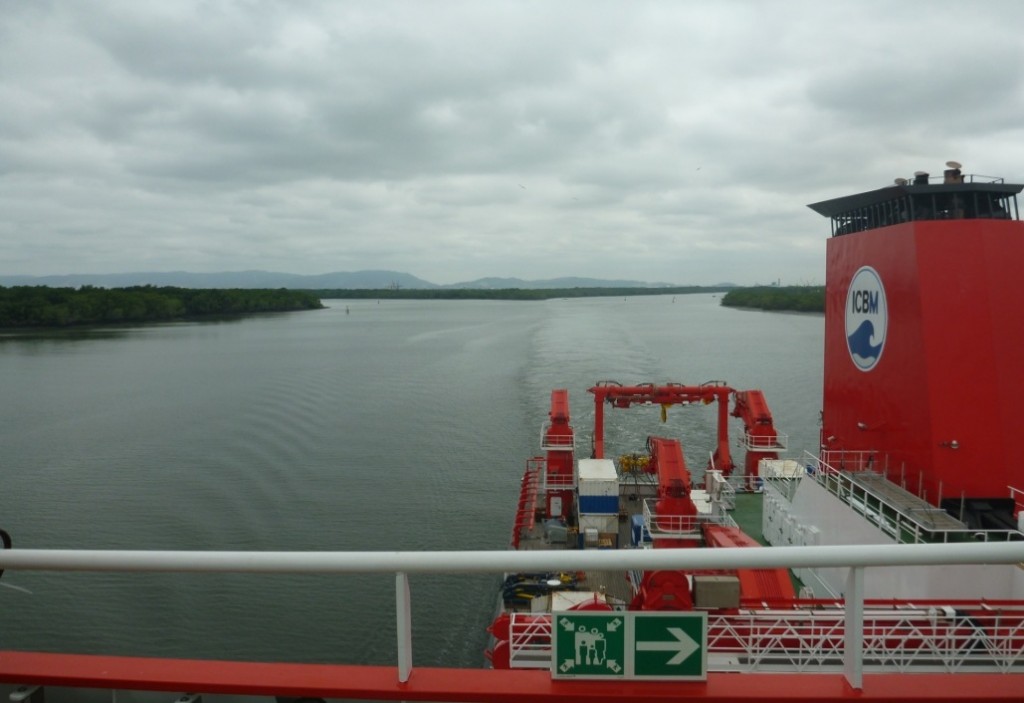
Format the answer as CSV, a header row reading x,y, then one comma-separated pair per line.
x,y
895,510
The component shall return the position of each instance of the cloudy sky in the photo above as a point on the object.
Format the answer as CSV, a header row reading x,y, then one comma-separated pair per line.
x,y
661,141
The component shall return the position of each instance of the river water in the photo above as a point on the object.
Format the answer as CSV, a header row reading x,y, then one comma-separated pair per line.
x,y
399,425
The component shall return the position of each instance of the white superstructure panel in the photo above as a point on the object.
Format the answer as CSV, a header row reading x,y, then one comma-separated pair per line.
x,y
836,523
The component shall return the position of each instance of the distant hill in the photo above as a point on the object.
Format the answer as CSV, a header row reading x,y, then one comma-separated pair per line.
x,y
338,280
226,279
566,282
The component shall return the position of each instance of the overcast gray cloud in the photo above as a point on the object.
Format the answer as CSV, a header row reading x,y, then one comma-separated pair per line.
x,y
662,141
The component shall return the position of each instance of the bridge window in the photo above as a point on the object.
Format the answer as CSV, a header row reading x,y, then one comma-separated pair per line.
x,y
938,205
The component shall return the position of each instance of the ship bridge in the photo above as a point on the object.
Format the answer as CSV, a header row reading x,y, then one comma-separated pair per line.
x,y
956,196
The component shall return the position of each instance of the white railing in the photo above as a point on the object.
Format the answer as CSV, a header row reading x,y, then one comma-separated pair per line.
x,y
561,482
529,642
854,649
913,525
900,640
762,443
557,442
1018,501
848,460
918,640
724,488
680,526
785,487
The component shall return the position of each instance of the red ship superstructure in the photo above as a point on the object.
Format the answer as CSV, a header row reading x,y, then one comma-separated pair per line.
x,y
924,337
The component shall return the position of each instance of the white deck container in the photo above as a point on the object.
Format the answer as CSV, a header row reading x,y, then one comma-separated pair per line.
x,y
598,486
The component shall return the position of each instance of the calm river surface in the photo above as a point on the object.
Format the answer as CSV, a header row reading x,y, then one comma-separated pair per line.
x,y
402,425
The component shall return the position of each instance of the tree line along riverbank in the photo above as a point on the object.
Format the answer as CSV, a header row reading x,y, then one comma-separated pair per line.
x,y
42,306
778,298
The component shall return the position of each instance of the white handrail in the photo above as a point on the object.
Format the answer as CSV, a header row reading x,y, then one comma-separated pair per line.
x,y
509,560
402,563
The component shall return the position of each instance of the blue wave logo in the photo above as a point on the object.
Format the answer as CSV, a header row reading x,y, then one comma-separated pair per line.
x,y
860,343
867,318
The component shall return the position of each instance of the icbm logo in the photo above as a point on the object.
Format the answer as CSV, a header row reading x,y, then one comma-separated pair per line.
x,y
867,318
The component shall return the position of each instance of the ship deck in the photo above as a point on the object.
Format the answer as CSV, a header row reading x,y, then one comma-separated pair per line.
x,y
614,584
748,515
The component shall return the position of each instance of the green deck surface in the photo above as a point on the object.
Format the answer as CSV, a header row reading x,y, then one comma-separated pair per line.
x,y
747,514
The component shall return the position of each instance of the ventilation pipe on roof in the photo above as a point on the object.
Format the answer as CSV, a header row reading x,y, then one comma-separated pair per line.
x,y
952,173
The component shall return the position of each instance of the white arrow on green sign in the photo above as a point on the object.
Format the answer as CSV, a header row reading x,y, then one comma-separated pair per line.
x,y
670,646
629,645
682,647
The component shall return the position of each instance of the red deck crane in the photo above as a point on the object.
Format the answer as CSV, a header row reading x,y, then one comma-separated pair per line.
x,y
761,439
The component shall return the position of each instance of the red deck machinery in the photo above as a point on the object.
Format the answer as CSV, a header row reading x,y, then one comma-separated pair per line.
x,y
761,439
548,478
558,443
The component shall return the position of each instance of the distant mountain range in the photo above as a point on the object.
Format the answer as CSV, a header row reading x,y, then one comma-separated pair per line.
x,y
565,282
325,281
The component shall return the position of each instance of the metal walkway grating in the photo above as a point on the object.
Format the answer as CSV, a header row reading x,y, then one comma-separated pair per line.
x,y
913,509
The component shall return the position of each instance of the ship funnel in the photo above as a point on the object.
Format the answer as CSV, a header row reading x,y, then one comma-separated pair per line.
x,y
920,178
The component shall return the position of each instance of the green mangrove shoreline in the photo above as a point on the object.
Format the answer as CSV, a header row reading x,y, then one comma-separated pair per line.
x,y
777,298
45,307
